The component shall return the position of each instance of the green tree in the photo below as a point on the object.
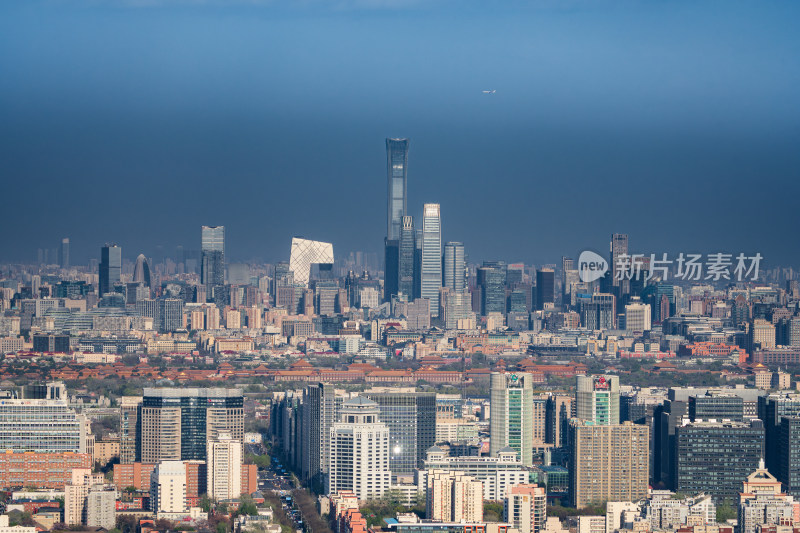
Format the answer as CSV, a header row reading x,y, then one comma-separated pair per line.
x,y
725,512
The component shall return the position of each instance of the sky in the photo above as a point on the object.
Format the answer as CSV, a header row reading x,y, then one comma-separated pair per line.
x,y
137,121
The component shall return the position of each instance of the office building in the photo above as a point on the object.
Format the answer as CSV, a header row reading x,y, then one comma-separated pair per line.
x,y
619,248
212,257
558,411
491,278
511,423
637,316
714,457
771,409
168,487
597,399
457,309
411,419
141,271
497,473
453,497
455,267
305,254
788,460
545,288
110,268
359,451
406,251
41,426
397,184
598,312
63,253
431,278
224,467
40,470
177,423
320,409
391,266
130,431
170,315
716,405
608,462
525,507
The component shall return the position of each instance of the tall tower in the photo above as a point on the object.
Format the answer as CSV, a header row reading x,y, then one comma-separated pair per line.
x,y
141,271
110,268
406,258
431,279
545,287
212,250
597,399
511,423
64,253
454,266
619,246
397,175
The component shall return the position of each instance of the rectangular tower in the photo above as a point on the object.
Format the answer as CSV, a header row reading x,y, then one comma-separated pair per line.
x,y
397,174
110,268
431,279
212,265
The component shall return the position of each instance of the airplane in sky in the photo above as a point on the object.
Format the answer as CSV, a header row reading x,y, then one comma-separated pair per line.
x,y
488,91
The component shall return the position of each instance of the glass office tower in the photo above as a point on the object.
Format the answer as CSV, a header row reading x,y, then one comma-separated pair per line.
x,y
454,266
212,266
431,279
406,258
397,169
110,268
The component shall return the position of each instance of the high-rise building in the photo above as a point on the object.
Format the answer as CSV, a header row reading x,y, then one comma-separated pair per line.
x,y
619,247
431,279
411,418
558,411
454,266
168,487
714,457
110,268
453,497
177,423
637,316
599,311
305,254
170,316
525,507
763,503
391,272
608,462
497,473
130,430
397,177
597,399
407,248
492,282
63,254
545,288
716,405
76,493
511,423
320,407
42,426
359,451
212,257
224,467
141,271
101,508
789,455
771,409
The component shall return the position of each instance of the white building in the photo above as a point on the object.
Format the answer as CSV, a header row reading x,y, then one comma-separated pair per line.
x,y
101,508
525,507
306,253
76,493
224,467
496,473
665,512
168,487
359,451
637,316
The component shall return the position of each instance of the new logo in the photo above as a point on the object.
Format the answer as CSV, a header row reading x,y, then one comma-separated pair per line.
x,y
591,266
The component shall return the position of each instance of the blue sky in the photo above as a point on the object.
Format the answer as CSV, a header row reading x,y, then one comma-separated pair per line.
x,y
137,121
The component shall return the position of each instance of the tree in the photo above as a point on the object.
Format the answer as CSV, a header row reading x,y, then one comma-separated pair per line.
x,y
724,513
247,506
205,503
222,527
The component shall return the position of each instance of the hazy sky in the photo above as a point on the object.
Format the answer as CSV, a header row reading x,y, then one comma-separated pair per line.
x,y
138,121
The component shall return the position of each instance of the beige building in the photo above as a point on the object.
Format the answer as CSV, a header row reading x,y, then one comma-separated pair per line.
x,y
76,493
129,427
101,507
608,462
762,333
224,467
525,507
105,451
453,497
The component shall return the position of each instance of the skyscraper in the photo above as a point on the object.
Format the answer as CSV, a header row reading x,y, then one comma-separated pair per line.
x,y
63,254
320,407
406,252
511,423
454,266
359,451
110,268
397,176
411,418
141,271
545,288
212,264
391,272
619,247
306,253
224,467
431,279
597,399
492,281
